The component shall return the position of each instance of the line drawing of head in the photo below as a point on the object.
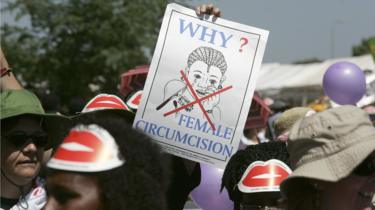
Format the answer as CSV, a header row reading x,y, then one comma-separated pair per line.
x,y
205,70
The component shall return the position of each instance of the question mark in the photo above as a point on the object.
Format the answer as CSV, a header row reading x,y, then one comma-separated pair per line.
x,y
245,41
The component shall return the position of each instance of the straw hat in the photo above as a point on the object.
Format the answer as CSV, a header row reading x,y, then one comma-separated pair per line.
x,y
289,117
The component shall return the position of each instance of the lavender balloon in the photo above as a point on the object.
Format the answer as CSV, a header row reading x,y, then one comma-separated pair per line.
x,y
344,83
207,195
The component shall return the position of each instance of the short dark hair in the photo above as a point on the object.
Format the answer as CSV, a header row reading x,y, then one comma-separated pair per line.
x,y
139,184
239,162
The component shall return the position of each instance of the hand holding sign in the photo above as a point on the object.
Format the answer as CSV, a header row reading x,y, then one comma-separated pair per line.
x,y
211,102
209,9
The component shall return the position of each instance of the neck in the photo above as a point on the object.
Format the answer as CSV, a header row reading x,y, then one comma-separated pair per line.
x,y
10,190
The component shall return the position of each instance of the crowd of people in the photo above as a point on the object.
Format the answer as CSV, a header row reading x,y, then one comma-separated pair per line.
x,y
315,159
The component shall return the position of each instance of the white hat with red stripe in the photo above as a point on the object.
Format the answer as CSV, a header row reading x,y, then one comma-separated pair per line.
x,y
263,176
134,99
87,148
107,103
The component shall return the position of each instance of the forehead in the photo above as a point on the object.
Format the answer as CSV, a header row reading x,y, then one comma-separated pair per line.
x,y
203,67
198,65
78,182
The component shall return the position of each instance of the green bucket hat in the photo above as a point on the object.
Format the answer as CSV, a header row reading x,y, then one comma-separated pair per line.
x,y
20,102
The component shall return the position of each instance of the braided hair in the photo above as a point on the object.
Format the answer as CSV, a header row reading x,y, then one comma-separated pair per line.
x,y
209,56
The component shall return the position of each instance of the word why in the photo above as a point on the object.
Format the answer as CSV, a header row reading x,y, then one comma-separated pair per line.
x,y
204,33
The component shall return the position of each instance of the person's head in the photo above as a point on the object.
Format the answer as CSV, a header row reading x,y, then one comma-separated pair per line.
x,y
333,161
286,120
239,164
136,180
23,141
280,106
251,135
106,103
205,70
26,132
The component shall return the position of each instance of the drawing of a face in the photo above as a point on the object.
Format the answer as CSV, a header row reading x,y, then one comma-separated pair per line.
x,y
205,70
204,79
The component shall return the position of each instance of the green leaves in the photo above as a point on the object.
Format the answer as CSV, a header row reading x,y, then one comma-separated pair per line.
x,y
363,47
72,43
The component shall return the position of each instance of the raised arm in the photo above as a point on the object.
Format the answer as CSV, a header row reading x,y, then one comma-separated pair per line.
x,y
7,81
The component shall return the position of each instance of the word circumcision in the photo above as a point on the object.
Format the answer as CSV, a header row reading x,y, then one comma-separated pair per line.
x,y
218,145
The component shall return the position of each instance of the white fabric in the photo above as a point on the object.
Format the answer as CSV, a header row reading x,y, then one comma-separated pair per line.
x,y
246,141
35,199
277,76
369,97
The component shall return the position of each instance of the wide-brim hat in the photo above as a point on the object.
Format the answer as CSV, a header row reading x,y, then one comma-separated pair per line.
x,y
15,103
106,104
329,145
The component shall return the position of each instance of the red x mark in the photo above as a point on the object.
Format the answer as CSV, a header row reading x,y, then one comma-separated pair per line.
x,y
197,100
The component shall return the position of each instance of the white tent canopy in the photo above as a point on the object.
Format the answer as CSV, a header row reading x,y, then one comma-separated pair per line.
x,y
277,76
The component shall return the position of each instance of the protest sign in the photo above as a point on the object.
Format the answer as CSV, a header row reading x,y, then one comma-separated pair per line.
x,y
200,85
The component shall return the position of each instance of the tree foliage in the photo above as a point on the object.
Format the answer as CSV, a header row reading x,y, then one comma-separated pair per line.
x,y
308,61
362,48
74,43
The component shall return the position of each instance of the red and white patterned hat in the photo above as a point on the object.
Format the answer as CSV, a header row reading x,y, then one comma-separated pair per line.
x,y
87,148
135,99
263,176
105,101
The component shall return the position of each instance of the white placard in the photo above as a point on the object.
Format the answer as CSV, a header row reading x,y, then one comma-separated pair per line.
x,y
200,85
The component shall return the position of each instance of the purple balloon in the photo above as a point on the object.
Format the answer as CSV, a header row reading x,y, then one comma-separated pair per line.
x,y
344,83
207,195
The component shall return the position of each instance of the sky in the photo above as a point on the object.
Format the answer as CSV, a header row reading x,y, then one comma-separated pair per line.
x,y
302,29
299,29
